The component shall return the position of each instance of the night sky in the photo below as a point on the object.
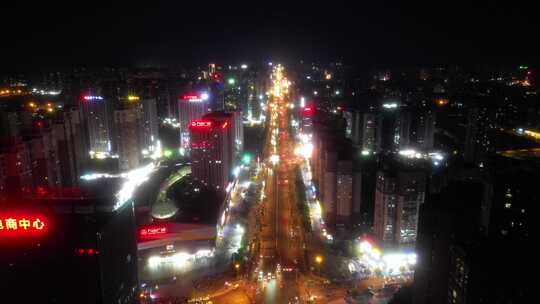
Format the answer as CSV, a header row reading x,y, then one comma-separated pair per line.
x,y
47,36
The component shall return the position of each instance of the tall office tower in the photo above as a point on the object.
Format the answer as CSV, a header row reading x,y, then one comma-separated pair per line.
x,y
385,206
234,128
252,109
126,119
344,192
398,196
402,131
328,186
411,194
191,106
148,124
335,176
356,125
217,95
212,147
369,132
81,240
474,224
423,129
17,167
237,128
510,186
72,152
319,147
257,96
349,119
386,127
15,155
446,216
306,123
357,190
95,114
477,142
43,155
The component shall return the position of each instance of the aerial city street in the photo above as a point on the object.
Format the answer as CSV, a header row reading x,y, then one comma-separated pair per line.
x,y
224,154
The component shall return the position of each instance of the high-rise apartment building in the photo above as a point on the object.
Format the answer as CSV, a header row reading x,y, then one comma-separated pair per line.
x,y
398,196
148,124
96,119
212,149
191,106
127,120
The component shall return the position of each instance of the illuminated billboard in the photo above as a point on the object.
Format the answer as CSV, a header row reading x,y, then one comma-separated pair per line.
x,y
196,97
22,224
92,97
153,231
200,124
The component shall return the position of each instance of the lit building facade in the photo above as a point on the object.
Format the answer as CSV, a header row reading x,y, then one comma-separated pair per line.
x,y
211,150
71,147
15,156
95,114
398,197
127,130
191,106
344,192
369,132
423,130
149,124
78,248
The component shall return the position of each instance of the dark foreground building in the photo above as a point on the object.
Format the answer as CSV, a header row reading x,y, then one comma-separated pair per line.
x,y
474,237
69,250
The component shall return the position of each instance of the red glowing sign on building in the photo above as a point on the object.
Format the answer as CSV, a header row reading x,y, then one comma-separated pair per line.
x,y
308,110
149,232
191,97
196,97
201,124
86,251
20,225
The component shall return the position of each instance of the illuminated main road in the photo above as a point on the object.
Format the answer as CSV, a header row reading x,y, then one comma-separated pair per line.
x,y
281,242
278,268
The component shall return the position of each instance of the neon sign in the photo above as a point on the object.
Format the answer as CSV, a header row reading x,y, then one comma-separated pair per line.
x,y
196,97
153,231
201,124
22,224
92,97
192,98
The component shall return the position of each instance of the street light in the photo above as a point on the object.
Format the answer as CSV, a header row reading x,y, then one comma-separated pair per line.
x,y
246,159
318,260
237,268
274,159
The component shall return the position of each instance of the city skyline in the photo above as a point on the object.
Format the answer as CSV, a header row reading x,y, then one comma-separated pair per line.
x,y
239,153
